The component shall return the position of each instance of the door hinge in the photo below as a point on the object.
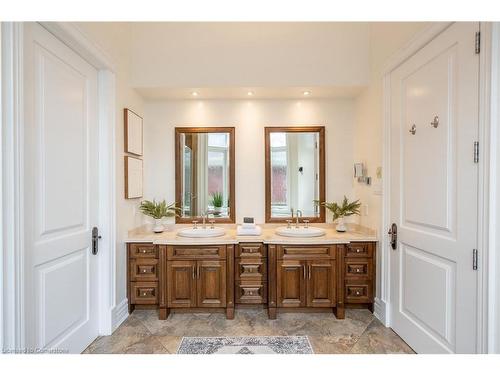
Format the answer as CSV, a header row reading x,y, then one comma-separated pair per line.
x,y
476,152
477,42
474,259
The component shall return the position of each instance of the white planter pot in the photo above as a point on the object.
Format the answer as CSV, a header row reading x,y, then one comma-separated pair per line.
x,y
341,225
158,227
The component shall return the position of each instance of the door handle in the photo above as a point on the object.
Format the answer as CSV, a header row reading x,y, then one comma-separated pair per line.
x,y
194,272
394,236
95,240
304,270
198,271
310,271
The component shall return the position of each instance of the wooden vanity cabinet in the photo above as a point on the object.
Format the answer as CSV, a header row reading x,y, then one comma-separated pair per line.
x,y
359,275
196,283
306,276
204,277
200,276
143,275
250,273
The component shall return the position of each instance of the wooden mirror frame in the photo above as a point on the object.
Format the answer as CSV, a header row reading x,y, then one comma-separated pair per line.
x,y
178,181
295,129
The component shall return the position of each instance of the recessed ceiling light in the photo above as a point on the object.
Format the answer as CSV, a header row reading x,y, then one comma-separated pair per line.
x,y
250,93
307,93
194,93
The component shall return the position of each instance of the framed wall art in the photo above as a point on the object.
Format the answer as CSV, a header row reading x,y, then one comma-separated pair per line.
x,y
133,132
133,177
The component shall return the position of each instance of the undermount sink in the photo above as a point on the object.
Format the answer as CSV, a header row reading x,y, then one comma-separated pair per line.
x,y
201,232
300,232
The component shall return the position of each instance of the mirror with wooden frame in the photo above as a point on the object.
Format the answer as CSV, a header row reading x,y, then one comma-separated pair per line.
x,y
204,173
295,173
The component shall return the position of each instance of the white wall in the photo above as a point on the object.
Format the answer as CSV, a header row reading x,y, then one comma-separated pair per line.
x,y
386,39
114,40
255,54
249,117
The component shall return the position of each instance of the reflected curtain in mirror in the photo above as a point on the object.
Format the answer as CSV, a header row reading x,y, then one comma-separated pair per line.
x,y
294,173
205,173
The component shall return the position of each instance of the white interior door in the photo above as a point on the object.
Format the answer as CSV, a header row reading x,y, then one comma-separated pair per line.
x,y
434,193
61,193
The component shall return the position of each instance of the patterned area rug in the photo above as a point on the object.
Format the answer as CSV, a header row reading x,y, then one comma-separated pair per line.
x,y
245,345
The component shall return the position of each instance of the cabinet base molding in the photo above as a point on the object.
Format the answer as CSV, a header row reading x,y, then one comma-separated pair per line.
x,y
197,310
369,306
284,310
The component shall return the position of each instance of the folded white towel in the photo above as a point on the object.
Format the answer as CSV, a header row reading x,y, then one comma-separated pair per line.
x,y
248,225
256,231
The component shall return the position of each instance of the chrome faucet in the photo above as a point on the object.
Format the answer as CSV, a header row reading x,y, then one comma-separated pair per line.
x,y
297,222
204,217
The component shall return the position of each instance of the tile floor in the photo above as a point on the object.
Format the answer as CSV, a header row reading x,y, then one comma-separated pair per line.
x,y
360,332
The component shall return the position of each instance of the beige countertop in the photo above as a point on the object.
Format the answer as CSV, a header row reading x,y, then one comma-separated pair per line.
x,y
268,236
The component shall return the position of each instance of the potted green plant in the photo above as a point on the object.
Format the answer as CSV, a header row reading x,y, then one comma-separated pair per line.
x,y
217,202
158,210
340,211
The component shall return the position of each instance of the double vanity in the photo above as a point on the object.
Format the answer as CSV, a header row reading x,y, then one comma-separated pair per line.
x,y
296,263
282,269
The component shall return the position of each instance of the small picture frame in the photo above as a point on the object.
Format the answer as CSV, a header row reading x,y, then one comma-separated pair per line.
x,y
133,132
358,170
133,177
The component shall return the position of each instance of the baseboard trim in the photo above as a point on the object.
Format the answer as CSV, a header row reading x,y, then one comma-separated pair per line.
x,y
119,314
380,311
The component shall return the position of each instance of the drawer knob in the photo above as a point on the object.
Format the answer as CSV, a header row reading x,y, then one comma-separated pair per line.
x,y
144,251
144,294
144,271
358,250
358,293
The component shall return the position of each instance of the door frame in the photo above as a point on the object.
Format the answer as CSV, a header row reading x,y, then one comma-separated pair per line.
x,y
488,277
12,304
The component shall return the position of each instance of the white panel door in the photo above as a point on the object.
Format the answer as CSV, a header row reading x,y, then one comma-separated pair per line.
x,y
434,187
61,194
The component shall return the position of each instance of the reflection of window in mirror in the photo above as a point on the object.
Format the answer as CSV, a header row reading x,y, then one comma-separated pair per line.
x,y
294,161
294,169
204,173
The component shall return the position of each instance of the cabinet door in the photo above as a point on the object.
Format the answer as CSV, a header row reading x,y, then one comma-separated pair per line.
x,y
181,283
211,283
321,283
291,283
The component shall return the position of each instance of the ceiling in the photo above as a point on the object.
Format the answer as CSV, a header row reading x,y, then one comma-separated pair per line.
x,y
254,93
170,60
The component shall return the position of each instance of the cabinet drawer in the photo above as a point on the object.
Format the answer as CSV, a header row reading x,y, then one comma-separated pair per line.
x,y
358,268
251,269
252,250
359,249
251,292
144,269
359,292
311,251
196,252
143,293
142,250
